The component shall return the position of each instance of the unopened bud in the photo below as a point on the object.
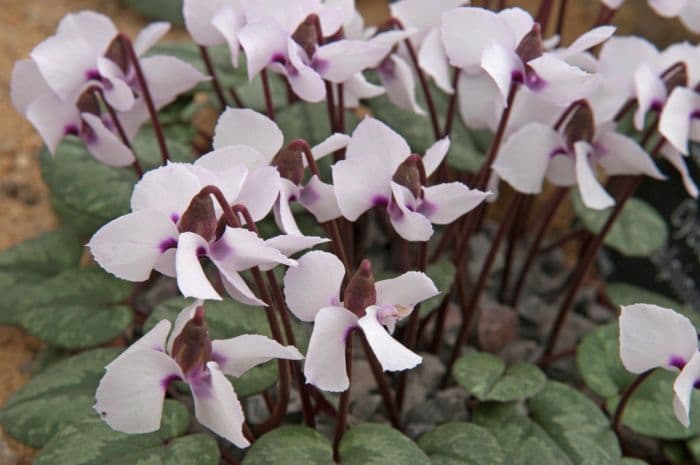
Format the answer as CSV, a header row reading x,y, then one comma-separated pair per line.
x,y
531,46
88,103
306,35
360,292
290,164
116,52
200,217
192,347
581,125
408,174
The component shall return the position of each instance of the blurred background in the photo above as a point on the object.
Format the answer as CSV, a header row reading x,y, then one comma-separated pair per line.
x,y
24,205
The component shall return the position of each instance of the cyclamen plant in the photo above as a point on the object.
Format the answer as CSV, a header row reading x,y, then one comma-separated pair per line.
x,y
408,200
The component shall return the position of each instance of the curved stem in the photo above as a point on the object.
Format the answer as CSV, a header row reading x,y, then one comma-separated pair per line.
x,y
138,169
153,113
620,409
452,103
382,384
216,84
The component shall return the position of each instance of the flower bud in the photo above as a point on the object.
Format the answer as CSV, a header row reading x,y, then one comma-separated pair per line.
x,y
88,103
531,46
200,217
290,164
360,292
192,347
306,35
116,52
409,175
581,125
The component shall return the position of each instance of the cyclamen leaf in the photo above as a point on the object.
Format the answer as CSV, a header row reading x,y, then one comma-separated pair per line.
x,y
461,443
486,377
442,273
93,442
290,445
378,444
627,294
598,361
59,396
639,231
165,10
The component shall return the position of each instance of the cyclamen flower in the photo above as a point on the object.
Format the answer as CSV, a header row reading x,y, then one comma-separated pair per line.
x,y
131,393
688,11
172,226
567,158
254,139
655,337
312,292
379,170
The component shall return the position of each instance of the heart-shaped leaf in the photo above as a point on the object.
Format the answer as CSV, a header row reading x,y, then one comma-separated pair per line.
x,y
290,445
486,377
59,396
378,444
461,443
598,361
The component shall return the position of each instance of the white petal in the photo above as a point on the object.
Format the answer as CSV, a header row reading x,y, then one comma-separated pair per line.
x,y
283,212
223,157
675,158
229,21
116,91
444,203
247,127
319,199
373,139
361,185
152,340
149,36
237,355
523,159
501,64
668,8
239,290
168,189
198,20
590,39
259,191
217,407
130,395
339,60
290,244
408,223
652,336
129,246
433,60
94,28
325,359
683,389
421,14
623,155
435,155
358,88
593,194
239,249
185,315
690,17
191,279
408,289
335,141
392,355
305,81
560,83
651,92
168,77
313,284
519,21
674,124
480,100
230,167
26,85
105,146
397,78
53,118
261,41
562,170
618,59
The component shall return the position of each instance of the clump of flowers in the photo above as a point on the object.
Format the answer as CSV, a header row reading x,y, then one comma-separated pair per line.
x,y
407,240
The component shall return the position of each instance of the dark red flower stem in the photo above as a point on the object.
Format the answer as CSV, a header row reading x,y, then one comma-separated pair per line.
x,y
269,104
544,12
278,296
626,396
341,108
605,16
344,403
515,233
211,70
382,385
138,169
146,93
470,311
452,104
561,18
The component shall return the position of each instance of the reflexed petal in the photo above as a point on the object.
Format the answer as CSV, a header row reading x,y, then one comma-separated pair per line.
x,y
501,64
319,199
652,336
433,61
435,155
674,124
95,29
444,203
335,141
247,127
229,21
340,60
592,193
217,407
361,184
289,244
669,8
149,36
409,224
484,26
168,189
562,170
185,315
283,212
408,289
259,191
130,395
168,77
239,249
237,355
191,279
359,88
675,158
523,159
27,84
421,14
104,145
229,166
392,355
313,284
223,157
623,155
53,118
325,359
690,17
166,264
129,246
261,41
560,82
519,21
238,289
683,389
590,39
117,92
198,20
373,139
480,101
397,78
305,81
651,92
152,340
619,57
